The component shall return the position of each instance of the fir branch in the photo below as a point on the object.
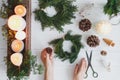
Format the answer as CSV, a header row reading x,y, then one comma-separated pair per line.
x,y
5,31
8,8
40,69
35,67
22,75
3,10
14,73
112,7
65,12
58,44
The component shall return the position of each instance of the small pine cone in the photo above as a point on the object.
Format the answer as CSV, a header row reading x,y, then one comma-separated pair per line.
x,y
103,53
93,41
85,25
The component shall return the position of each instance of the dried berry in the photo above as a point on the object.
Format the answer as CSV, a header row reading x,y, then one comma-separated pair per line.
x,y
85,25
93,41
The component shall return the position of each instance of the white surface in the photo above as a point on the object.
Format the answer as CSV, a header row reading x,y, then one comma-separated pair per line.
x,y
64,70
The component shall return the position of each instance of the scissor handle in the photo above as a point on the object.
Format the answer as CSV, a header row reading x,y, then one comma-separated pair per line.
x,y
86,75
95,74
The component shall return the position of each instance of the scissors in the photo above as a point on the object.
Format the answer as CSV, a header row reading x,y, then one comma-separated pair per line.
x,y
94,74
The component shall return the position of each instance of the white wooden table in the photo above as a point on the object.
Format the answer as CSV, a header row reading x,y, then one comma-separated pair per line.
x,y
64,70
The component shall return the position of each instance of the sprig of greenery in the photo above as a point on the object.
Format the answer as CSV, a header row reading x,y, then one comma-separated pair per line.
x,y
35,67
19,73
20,0
3,10
5,31
6,9
112,7
58,44
65,12
22,75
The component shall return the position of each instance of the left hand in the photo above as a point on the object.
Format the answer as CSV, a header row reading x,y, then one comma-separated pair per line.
x,y
80,69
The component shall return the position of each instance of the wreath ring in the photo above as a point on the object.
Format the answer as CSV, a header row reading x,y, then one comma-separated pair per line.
x,y
75,48
65,11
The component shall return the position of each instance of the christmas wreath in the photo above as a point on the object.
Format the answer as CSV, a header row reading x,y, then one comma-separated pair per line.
x,y
64,12
75,48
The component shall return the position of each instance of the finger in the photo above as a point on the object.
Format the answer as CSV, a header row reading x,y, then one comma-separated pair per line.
x,y
86,66
48,61
43,56
47,57
51,56
43,53
76,69
82,66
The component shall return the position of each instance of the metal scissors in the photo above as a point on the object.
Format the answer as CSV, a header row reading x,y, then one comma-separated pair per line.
x,y
94,74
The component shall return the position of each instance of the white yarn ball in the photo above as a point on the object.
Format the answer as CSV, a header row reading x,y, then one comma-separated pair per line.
x,y
103,27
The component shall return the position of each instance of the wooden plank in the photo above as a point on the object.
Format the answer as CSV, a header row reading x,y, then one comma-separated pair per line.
x,y
25,67
28,28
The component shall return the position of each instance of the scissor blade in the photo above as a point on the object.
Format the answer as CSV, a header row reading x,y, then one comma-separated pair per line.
x,y
89,60
90,56
87,55
87,69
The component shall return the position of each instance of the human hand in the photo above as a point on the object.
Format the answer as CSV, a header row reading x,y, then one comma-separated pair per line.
x,y
80,69
47,59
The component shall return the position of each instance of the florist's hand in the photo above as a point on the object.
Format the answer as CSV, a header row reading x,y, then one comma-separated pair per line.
x,y
80,69
47,59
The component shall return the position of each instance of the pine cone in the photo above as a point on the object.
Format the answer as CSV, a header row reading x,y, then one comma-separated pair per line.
x,y
93,41
85,25
103,53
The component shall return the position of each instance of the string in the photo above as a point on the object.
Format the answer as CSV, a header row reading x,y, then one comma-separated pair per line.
x,y
116,23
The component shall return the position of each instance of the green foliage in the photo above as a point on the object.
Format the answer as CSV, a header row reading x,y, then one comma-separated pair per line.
x,y
58,44
5,31
20,77
19,73
15,74
3,10
112,7
11,5
8,9
65,11
20,0
36,68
